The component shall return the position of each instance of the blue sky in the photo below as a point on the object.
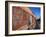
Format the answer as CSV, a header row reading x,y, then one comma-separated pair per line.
x,y
36,11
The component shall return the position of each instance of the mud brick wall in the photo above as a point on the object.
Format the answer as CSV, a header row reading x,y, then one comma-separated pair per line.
x,y
19,18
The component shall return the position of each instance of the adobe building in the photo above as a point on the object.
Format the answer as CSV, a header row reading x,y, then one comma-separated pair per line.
x,y
22,18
